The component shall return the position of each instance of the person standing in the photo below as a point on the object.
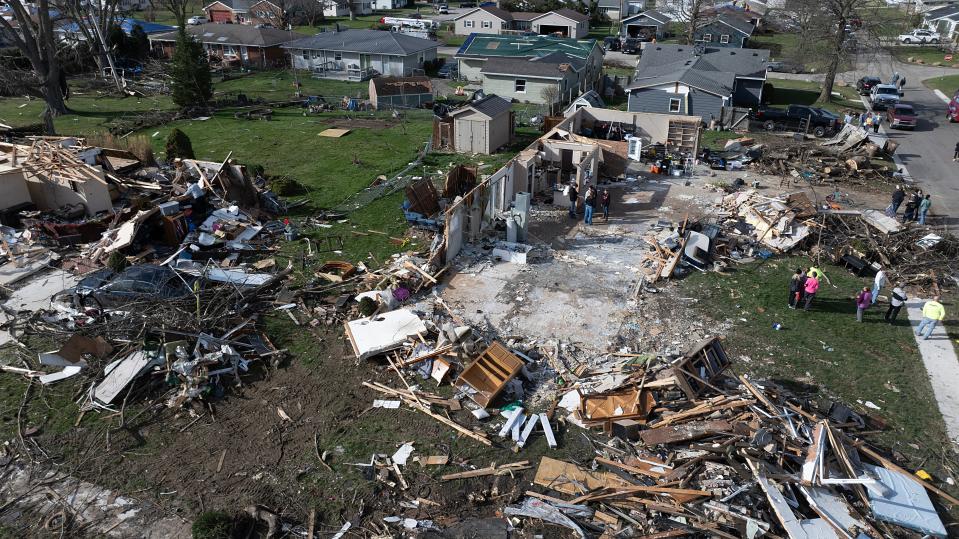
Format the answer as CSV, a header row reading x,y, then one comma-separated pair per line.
x,y
916,199
895,304
862,120
932,313
815,272
924,209
876,120
863,301
795,288
897,197
810,289
955,154
573,198
877,284
902,85
605,200
588,201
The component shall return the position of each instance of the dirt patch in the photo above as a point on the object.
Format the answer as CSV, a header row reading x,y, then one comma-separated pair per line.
x,y
361,123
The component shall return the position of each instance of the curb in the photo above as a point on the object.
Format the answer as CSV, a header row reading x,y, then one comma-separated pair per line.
x,y
942,96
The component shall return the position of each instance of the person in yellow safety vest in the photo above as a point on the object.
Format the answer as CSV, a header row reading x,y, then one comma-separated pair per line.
x,y
932,313
815,272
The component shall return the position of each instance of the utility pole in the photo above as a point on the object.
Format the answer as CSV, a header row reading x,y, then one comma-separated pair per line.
x,y
106,50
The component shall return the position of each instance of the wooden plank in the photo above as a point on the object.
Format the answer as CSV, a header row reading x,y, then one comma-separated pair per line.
x,y
685,432
810,471
571,479
627,468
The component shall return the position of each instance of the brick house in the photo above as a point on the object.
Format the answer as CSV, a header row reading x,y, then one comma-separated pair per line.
x,y
228,11
235,43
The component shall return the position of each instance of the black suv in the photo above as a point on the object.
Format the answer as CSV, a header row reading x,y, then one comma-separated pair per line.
x,y
865,84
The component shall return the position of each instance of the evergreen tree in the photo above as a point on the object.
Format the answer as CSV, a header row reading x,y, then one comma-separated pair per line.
x,y
178,145
138,44
190,72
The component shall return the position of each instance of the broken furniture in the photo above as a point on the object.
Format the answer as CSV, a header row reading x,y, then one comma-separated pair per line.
x,y
488,374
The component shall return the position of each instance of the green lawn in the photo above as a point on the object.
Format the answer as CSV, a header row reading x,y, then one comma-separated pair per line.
x,y
779,45
798,92
925,55
946,84
825,353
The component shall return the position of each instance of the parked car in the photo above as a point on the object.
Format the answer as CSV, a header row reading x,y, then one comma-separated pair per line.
x,y
632,45
919,36
468,4
821,123
952,110
196,19
901,116
449,70
883,96
784,66
864,85
106,289
443,9
611,43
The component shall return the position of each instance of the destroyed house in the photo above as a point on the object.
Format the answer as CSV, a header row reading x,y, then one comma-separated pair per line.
x,y
361,54
400,92
697,81
235,44
48,176
473,55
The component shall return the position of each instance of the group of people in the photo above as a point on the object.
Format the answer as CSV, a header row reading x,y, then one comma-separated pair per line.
x,y
804,285
917,207
590,198
866,120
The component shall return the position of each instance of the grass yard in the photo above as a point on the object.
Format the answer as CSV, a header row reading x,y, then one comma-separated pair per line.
x,y
825,353
924,55
946,84
779,45
798,92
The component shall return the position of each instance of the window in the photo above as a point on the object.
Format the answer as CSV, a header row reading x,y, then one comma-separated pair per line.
x,y
338,56
306,54
487,24
708,38
724,38
520,86
674,104
467,24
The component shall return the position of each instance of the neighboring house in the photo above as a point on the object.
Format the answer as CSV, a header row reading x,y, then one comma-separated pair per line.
x,y
680,79
725,31
633,7
266,12
240,43
478,49
483,126
648,24
562,22
547,80
335,8
361,54
923,6
943,20
385,5
400,92
484,20
231,11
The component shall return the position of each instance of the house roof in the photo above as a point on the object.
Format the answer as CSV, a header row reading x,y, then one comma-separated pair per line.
x,y
402,85
941,12
488,46
740,25
241,6
524,15
689,72
553,66
366,41
615,4
743,62
491,106
233,34
656,16
593,98
501,14
568,13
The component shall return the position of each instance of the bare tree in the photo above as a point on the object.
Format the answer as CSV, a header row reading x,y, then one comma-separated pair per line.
x,y
179,9
93,20
550,95
836,38
690,13
36,42
311,11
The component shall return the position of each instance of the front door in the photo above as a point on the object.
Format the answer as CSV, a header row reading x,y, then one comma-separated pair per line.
x,y
365,61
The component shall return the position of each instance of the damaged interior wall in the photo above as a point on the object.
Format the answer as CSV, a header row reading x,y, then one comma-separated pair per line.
x,y
54,177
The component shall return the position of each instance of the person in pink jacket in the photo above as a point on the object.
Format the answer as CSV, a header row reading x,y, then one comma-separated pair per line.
x,y
863,301
812,286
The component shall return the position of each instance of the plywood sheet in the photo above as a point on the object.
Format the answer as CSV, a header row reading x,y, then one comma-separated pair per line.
x,y
334,132
571,479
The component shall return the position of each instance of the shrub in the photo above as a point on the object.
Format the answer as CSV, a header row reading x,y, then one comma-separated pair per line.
x,y
212,525
178,146
286,186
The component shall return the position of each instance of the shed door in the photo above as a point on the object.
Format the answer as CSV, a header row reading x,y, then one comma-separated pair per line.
x,y
479,137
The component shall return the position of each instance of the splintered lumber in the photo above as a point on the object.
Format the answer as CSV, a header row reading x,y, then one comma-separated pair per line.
x,y
814,456
571,479
448,422
438,352
685,432
492,469
779,505
626,491
630,469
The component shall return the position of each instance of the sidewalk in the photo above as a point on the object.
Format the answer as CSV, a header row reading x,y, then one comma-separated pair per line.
x,y
942,367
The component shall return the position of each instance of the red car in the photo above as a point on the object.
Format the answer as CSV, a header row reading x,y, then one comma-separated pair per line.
x,y
952,112
901,116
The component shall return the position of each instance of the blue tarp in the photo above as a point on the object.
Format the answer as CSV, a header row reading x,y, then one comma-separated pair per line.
x,y
126,24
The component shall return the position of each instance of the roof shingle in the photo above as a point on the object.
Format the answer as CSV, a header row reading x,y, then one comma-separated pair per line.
x,y
233,34
366,41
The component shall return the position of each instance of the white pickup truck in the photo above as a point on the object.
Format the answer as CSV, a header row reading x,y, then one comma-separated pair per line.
x,y
919,36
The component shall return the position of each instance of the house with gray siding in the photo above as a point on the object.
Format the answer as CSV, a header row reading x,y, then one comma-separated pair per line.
x,y
473,55
562,22
725,31
361,54
696,80
484,20
647,25
548,80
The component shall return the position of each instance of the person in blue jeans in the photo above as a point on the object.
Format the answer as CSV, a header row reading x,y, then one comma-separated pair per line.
x,y
932,313
924,209
588,201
